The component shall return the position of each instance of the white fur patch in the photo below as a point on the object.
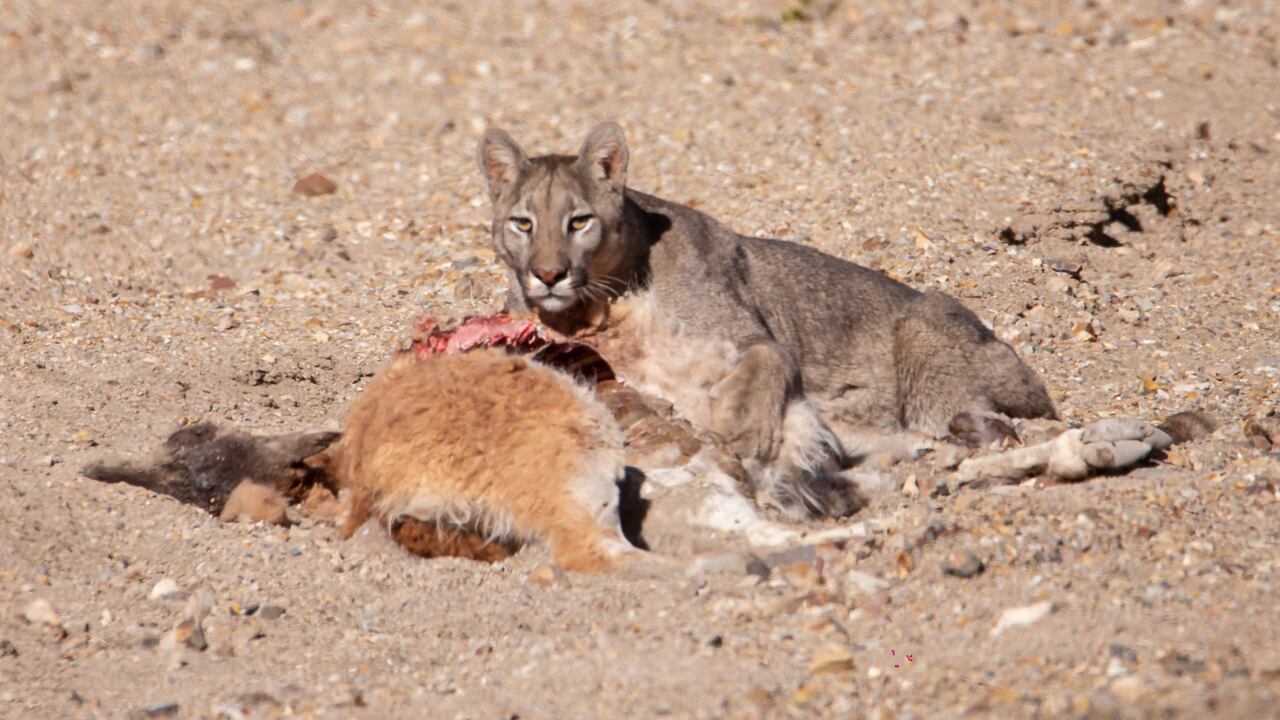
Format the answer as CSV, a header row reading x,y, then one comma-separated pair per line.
x,y
672,365
808,448
807,442
492,523
603,464
722,508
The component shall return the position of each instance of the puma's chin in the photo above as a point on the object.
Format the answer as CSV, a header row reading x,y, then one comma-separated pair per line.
x,y
554,303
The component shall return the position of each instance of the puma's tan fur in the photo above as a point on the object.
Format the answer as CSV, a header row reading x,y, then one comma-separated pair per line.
x,y
473,454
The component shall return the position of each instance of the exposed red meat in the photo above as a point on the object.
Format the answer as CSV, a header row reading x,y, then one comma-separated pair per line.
x,y
519,335
484,331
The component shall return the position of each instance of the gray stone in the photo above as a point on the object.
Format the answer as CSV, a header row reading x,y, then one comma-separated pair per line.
x,y
159,710
1115,455
962,563
270,612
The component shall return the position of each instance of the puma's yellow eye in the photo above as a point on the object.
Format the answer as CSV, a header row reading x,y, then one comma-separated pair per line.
x,y
580,222
524,225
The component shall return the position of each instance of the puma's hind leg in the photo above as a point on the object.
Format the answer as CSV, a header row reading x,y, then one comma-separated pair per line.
x,y
947,362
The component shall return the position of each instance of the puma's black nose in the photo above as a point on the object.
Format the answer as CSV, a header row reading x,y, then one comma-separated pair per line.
x,y
550,276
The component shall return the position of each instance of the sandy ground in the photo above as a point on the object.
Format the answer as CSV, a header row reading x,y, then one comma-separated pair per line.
x,y
1098,179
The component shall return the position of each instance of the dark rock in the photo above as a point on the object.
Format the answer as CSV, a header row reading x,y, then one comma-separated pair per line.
x,y
1068,267
1122,653
314,185
1259,487
270,612
218,283
1263,432
1179,664
162,710
250,704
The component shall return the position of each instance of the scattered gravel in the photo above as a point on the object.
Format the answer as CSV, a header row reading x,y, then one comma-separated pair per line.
x,y
1096,180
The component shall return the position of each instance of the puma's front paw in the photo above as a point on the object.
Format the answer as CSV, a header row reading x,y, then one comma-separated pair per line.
x,y
753,429
747,409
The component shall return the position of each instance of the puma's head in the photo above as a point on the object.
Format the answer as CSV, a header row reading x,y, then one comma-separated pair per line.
x,y
557,220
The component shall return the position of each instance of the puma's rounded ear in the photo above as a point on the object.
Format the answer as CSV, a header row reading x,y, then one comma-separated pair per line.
x,y
604,156
500,160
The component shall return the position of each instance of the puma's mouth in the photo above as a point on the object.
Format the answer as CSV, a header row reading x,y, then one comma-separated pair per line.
x,y
554,303
557,298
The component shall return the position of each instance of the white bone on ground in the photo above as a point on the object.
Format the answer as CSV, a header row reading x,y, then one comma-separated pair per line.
x,y
1065,460
1107,444
1115,455
857,582
1116,429
1018,616
1011,465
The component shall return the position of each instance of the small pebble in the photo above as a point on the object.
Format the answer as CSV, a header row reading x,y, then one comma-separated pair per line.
x,y
1058,286
1123,653
189,632
547,576
41,612
161,710
857,582
1019,616
1068,267
1128,688
149,51
314,185
962,563
167,589
21,251
831,659
270,612
221,282
910,487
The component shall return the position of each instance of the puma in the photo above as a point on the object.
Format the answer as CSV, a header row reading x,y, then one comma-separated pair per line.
x,y
792,356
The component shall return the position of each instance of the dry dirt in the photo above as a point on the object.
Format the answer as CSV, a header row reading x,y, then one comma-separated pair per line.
x,y
1100,180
